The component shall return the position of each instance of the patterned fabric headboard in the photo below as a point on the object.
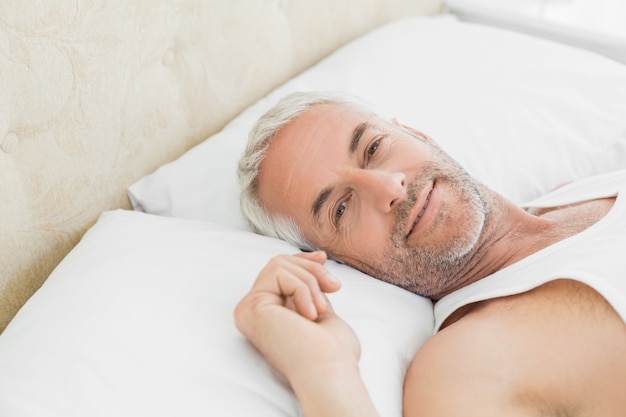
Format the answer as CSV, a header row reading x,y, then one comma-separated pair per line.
x,y
97,93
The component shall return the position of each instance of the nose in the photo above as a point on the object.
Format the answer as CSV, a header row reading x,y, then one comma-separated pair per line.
x,y
382,188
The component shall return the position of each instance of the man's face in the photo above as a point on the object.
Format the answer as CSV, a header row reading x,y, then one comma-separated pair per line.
x,y
377,196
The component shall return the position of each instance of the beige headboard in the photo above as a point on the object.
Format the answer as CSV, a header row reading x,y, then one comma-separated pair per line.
x,y
97,93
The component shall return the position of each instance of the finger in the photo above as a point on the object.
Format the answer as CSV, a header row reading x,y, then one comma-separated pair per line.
x,y
289,304
327,282
316,256
301,277
317,279
293,288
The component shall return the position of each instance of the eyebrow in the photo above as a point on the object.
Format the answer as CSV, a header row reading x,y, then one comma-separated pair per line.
x,y
357,133
320,200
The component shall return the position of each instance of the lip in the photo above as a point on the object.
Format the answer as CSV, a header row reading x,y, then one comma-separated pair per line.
x,y
420,211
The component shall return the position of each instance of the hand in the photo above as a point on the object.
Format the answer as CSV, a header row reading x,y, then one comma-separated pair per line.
x,y
288,318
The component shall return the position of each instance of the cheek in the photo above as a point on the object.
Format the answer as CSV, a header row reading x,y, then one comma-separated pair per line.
x,y
365,241
365,259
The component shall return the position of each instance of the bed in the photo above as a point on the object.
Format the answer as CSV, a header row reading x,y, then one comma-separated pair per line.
x,y
123,249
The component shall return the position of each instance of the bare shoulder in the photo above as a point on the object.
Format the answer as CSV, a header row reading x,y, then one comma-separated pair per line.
x,y
554,351
459,372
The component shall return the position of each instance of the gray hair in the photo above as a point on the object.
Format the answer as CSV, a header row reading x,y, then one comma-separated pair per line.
x,y
259,139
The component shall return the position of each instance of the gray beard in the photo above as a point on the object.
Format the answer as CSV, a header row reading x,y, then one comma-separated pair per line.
x,y
431,271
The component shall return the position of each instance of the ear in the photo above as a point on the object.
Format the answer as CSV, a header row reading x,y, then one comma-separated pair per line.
x,y
413,132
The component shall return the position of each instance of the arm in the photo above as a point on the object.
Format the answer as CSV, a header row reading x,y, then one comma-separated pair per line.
x,y
475,369
287,317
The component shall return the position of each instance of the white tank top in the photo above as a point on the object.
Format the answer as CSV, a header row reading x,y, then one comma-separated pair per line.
x,y
596,256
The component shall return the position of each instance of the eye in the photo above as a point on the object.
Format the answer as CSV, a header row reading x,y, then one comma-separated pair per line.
x,y
341,208
371,150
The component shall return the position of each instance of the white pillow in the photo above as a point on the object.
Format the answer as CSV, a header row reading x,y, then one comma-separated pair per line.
x,y
137,321
523,115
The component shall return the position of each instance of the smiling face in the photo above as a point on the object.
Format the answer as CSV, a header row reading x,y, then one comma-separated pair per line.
x,y
382,198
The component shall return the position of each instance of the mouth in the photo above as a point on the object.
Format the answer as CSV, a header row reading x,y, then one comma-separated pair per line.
x,y
423,204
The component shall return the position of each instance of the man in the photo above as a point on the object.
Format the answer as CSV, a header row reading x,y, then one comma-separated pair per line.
x,y
525,327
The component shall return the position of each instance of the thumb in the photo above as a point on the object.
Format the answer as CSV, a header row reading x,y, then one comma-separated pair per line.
x,y
317,256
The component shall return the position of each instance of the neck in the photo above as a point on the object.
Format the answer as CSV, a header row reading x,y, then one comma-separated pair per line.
x,y
514,234
509,235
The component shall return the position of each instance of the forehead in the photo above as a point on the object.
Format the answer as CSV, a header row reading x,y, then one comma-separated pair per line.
x,y
306,156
